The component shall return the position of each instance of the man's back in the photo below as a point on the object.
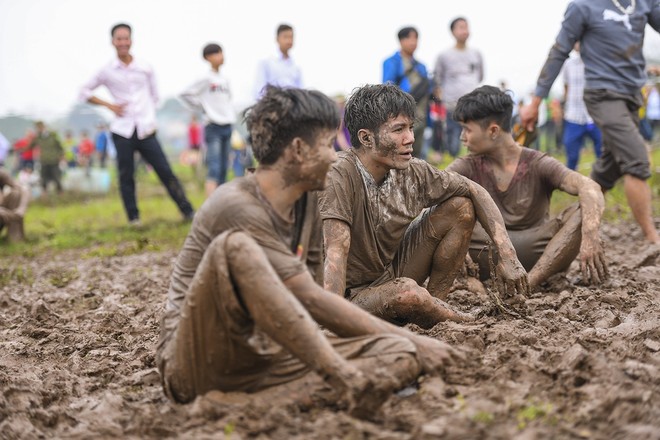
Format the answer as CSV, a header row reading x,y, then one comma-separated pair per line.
x,y
238,205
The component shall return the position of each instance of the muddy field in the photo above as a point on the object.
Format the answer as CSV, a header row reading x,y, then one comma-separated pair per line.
x,y
78,332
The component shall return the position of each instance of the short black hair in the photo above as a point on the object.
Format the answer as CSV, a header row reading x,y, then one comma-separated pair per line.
x,y
406,31
119,26
371,106
210,49
283,28
283,114
455,21
484,105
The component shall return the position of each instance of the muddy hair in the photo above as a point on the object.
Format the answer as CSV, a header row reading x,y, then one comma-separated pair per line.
x,y
283,114
484,105
371,106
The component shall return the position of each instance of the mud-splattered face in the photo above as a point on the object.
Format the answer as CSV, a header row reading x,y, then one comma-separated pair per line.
x,y
394,143
318,158
475,138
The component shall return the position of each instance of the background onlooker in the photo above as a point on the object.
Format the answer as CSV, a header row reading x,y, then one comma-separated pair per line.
x,y
458,70
411,76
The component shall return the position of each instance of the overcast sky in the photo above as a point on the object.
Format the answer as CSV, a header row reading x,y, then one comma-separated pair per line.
x,y
48,48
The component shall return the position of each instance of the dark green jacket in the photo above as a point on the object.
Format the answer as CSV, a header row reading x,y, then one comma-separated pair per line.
x,y
50,146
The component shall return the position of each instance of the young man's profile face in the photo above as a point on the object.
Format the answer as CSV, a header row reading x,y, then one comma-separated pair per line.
x,y
475,137
121,40
320,155
393,145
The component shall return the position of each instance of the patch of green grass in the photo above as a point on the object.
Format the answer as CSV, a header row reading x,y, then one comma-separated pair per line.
x,y
532,412
98,222
483,417
20,275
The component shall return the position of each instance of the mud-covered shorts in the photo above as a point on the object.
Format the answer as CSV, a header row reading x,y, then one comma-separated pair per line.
x,y
528,243
413,258
624,150
213,343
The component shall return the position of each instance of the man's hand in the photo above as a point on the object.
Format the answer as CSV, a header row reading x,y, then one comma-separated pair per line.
x,y
529,114
434,355
116,109
512,277
592,261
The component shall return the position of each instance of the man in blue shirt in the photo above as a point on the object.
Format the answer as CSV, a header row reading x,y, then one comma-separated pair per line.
x,y
408,73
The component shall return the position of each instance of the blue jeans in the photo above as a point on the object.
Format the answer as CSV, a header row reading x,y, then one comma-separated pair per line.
x,y
453,136
574,135
150,150
218,139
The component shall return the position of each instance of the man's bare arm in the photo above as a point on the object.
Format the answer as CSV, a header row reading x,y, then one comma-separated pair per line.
x,y
592,204
337,243
116,109
512,273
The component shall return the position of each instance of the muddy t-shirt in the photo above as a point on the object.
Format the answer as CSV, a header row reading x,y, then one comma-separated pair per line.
x,y
526,202
378,215
291,246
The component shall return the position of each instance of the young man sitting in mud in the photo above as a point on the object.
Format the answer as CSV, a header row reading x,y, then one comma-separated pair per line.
x,y
243,304
521,182
13,204
381,241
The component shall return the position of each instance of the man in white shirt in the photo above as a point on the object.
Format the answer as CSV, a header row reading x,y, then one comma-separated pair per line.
x,y
132,84
279,70
212,96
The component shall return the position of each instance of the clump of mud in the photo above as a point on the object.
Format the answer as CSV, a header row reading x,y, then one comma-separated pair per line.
x,y
78,334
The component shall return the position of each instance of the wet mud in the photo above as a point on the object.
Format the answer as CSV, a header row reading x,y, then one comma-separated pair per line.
x,y
78,336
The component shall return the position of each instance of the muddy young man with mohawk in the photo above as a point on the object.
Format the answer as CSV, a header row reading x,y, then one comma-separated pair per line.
x,y
244,306
390,221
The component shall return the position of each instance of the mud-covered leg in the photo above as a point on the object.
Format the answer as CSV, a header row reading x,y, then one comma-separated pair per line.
x,y
279,314
453,221
403,301
560,251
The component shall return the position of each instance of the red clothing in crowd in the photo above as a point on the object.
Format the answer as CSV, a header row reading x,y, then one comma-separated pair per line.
x,y
195,136
86,147
21,147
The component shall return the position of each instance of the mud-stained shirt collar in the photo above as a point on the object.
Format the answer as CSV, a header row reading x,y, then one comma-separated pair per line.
x,y
368,179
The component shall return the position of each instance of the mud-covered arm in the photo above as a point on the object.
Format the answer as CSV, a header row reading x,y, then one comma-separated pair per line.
x,y
592,204
337,243
347,320
512,274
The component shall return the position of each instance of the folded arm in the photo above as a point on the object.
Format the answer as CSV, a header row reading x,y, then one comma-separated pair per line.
x,y
512,273
592,204
337,243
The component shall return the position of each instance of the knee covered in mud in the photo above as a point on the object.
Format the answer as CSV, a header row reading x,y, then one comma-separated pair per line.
x,y
457,210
